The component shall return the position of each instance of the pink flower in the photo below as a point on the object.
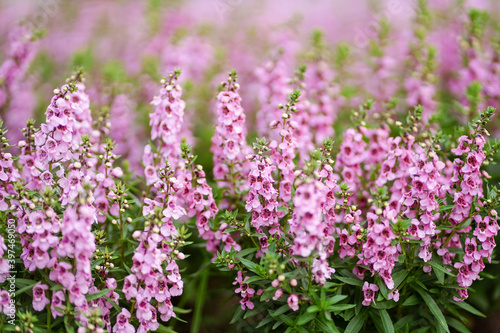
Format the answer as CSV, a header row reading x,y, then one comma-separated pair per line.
x,y
394,295
369,290
293,302
40,300
57,303
122,325
5,303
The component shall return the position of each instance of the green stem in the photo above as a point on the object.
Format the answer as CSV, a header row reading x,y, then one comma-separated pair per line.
x,y
49,315
200,299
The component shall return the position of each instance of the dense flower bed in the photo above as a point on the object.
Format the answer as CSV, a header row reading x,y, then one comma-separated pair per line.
x,y
322,189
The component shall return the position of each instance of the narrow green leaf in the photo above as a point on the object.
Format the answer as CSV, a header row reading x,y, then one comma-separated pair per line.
x,y
412,300
336,299
286,320
433,307
351,281
305,318
399,277
237,315
277,324
282,309
447,207
404,321
386,321
265,321
456,324
439,275
26,289
67,325
113,303
253,312
327,327
356,324
302,330
251,266
164,329
469,308
254,278
246,252
439,267
340,307
313,309
384,305
182,311
90,297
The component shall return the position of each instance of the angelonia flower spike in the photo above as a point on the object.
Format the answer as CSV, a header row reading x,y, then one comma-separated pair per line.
x,y
321,185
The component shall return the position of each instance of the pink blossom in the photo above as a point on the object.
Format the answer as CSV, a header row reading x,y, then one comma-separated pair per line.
x,y
369,290
293,302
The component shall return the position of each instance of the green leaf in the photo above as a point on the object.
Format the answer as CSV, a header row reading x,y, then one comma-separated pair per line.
x,y
382,287
444,208
26,289
246,252
182,311
456,324
253,312
313,309
377,321
282,309
277,324
340,307
286,320
464,224
469,308
336,299
113,303
302,329
254,278
101,293
252,266
356,324
386,321
433,307
305,318
384,305
351,281
399,277
67,325
439,274
265,321
327,327
439,267
164,329
237,315
412,300
404,321
421,329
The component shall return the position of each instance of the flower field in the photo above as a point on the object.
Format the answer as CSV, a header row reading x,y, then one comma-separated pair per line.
x,y
249,166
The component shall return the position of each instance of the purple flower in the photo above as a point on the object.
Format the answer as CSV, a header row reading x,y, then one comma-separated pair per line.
x,y
40,300
293,302
122,324
369,290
